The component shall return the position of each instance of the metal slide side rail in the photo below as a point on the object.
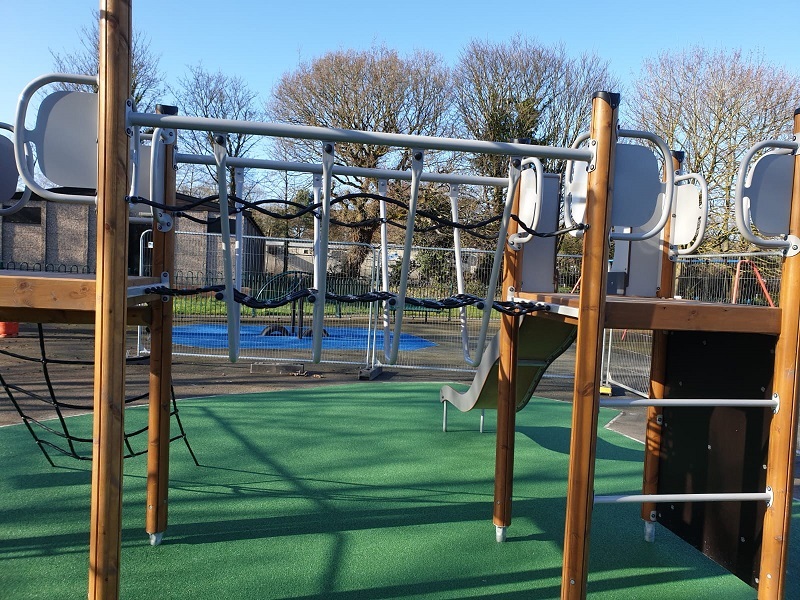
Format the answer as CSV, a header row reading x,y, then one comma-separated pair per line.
x,y
788,244
20,139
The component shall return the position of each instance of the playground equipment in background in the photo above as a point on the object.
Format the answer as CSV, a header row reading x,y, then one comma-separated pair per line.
x,y
726,329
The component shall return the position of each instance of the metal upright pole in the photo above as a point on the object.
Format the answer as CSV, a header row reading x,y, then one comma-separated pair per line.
x,y
161,365
591,314
111,301
783,429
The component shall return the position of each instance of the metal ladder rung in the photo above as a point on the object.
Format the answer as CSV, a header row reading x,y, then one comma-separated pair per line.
x,y
524,362
721,497
772,403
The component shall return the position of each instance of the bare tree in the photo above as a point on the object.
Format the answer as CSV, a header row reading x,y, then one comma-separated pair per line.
x,y
376,90
146,79
714,105
522,89
215,95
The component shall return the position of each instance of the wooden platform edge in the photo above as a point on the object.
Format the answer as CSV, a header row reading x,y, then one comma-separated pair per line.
x,y
668,314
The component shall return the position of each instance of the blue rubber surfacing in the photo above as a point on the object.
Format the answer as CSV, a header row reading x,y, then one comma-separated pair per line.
x,y
337,338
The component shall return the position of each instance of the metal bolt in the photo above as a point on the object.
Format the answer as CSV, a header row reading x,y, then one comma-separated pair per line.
x,y
328,148
417,155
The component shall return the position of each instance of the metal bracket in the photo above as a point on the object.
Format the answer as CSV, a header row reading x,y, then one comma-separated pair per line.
x,y
793,249
777,399
143,290
771,496
164,221
128,110
593,148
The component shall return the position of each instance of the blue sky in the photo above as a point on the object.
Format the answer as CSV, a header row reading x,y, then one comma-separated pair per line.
x,y
261,39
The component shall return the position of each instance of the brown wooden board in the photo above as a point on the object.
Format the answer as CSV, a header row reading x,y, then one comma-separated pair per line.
x,y
719,449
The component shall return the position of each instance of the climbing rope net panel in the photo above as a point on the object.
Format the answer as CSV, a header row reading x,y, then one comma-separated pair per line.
x,y
52,397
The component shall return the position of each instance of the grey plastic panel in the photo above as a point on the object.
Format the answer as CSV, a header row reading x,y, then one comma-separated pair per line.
x,y
637,186
769,188
539,254
65,136
8,169
687,214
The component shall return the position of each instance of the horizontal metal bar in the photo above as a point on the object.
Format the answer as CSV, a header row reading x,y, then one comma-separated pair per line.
x,y
693,402
401,140
299,167
640,498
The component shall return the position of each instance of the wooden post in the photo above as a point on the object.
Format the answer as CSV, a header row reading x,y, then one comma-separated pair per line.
x,y
111,300
161,366
658,365
783,429
507,388
591,313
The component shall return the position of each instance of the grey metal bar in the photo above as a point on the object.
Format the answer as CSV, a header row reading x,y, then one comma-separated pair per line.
x,y
308,132
316,169
729,497
696,402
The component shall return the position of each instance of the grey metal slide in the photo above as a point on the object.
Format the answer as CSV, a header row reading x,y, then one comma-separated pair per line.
x,y
541,341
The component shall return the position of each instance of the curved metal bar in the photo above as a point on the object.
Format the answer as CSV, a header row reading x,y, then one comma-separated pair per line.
x,y
669,190
321,252
742,222
513,182
20,138
569,169
417,157
701,230
27,193
221,155
382,187
516,240
462,312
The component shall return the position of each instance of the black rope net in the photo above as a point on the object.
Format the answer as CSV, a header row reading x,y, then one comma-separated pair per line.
x,y
299,210
56,432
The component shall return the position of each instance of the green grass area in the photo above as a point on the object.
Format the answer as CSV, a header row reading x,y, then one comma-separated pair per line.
x,y
343,492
